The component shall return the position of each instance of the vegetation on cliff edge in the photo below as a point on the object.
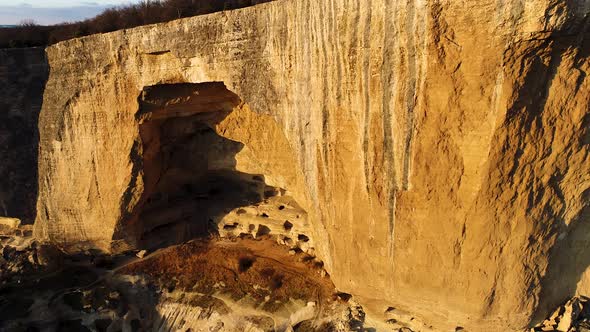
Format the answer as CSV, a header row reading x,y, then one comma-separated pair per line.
x,y
28,34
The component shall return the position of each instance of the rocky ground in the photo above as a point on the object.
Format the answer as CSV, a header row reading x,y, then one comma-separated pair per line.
x,y
217,284
238,284
573,316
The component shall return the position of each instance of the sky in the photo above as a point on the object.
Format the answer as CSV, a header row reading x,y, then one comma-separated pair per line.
x,y
53,11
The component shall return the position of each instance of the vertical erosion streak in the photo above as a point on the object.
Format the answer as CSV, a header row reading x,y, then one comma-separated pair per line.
x,y
388,140
407,17
325,87
410,91
367,95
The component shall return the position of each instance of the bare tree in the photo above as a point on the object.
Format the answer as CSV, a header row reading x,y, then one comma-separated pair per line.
x,y
29,22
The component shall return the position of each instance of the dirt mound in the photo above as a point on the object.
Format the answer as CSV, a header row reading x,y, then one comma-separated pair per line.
x,y
261,269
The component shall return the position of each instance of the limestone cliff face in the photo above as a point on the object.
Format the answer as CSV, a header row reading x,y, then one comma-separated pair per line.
x,y
23,73
439,148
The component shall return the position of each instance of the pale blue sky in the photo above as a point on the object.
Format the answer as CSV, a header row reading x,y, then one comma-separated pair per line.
x,y
61,3
53,11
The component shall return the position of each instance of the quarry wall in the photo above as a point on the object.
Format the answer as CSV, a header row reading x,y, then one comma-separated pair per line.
x,y
440,148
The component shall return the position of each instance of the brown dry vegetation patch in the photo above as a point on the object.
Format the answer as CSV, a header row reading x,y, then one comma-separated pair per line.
x,y
259,268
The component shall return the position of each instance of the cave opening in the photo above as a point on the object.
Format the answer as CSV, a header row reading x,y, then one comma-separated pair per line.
x,y
191,180
192,187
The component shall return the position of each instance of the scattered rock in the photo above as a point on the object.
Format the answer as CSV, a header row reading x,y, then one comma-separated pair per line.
x,y
77,298
141,253
303,314
8,252
9,223
263,323
49,256
355,316
573,316
343,296
572,311
398,314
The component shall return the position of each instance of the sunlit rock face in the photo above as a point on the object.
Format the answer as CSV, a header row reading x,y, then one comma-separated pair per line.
x,y
23,73
438,150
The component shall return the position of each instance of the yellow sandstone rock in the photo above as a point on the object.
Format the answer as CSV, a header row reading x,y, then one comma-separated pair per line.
x,y
9,223
439,149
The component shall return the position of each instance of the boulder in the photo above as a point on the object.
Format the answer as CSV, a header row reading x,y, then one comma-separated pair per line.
x,y
9,224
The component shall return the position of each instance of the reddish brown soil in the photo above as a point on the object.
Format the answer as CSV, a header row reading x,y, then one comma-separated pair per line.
x,y
259,268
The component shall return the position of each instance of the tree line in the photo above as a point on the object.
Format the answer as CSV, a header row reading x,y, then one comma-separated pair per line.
x,y
29,34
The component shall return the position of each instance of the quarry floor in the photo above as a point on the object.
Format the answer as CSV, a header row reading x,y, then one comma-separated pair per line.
x,y
202,285
213,284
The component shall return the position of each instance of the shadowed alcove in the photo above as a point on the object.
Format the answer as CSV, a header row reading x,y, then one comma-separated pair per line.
x,y
190,178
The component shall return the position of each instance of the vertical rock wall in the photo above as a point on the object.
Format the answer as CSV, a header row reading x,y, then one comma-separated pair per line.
x,y
441,147
23,73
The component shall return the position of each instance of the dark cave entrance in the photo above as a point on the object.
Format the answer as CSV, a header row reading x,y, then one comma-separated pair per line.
x,y
189,171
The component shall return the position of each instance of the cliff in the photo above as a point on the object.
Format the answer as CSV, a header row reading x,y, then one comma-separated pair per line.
x,y
23,73
439,151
